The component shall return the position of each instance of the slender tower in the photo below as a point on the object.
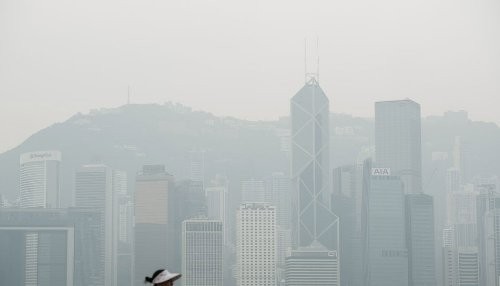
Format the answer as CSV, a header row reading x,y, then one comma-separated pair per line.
x,y
310,169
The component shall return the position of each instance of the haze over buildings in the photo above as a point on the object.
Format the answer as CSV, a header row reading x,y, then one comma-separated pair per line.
x,y
297,196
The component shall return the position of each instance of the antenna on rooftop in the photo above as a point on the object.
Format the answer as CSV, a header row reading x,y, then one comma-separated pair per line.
x,y
311,72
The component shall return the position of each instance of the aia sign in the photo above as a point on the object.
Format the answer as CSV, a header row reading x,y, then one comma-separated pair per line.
x,y
381,171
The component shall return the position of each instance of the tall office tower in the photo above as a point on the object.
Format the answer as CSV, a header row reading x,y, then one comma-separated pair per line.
x,y
39,183
313,219
216,203
385,252
344,181
462,216
94,190
197,166
453,181
450,267
279,195
39,179
253,191
256,245
202,252
460,238
313,265
398,141
153,222
459,158
125,212
192,200
420,240
488,227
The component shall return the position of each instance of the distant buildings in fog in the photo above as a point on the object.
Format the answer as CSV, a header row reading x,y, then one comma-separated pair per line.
x,y
364,224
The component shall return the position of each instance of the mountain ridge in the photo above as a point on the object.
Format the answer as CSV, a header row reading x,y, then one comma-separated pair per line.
x,y
131,135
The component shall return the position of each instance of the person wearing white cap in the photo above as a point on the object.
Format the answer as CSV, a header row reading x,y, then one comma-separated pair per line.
x,y
162,278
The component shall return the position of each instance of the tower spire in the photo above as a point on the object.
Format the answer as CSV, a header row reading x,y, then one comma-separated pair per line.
x,y
311,73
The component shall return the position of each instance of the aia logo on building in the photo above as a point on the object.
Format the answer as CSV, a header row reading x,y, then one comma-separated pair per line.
x,y
381,171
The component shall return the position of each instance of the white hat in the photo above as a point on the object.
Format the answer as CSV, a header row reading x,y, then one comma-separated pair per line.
x,y
166,276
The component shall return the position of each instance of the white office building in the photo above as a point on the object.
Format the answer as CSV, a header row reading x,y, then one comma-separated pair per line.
x,y
39,183
256,245
202,252
39,179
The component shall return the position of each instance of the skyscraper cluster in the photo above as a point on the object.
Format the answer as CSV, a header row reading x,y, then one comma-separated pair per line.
x,y
373,222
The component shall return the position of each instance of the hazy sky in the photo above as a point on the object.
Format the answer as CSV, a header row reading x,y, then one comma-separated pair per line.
x,y
243,58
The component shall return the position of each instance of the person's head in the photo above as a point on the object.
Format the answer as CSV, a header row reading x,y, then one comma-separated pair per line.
x,y
162,278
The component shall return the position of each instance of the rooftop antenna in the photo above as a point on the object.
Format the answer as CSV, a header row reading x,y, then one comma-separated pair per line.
x,y
305,60
317,59
313,74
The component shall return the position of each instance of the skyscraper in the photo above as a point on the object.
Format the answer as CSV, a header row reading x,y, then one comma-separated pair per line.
x,y
202,252
420,240
344,205
39,183
39,179
385,252
153,214
256,245
216,206
94,191
488,227
313,220
125,215
398,141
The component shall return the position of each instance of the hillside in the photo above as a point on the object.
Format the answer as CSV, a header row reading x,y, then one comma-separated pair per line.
x,y
129,136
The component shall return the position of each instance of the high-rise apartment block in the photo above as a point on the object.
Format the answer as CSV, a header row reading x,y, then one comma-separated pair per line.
x,y
256,245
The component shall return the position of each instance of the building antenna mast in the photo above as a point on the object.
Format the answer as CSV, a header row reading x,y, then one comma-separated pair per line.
x,y
317,59
305,60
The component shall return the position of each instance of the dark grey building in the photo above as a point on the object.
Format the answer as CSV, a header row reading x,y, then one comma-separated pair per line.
x,y
420,240
66,252
385,252
94,191
398,141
